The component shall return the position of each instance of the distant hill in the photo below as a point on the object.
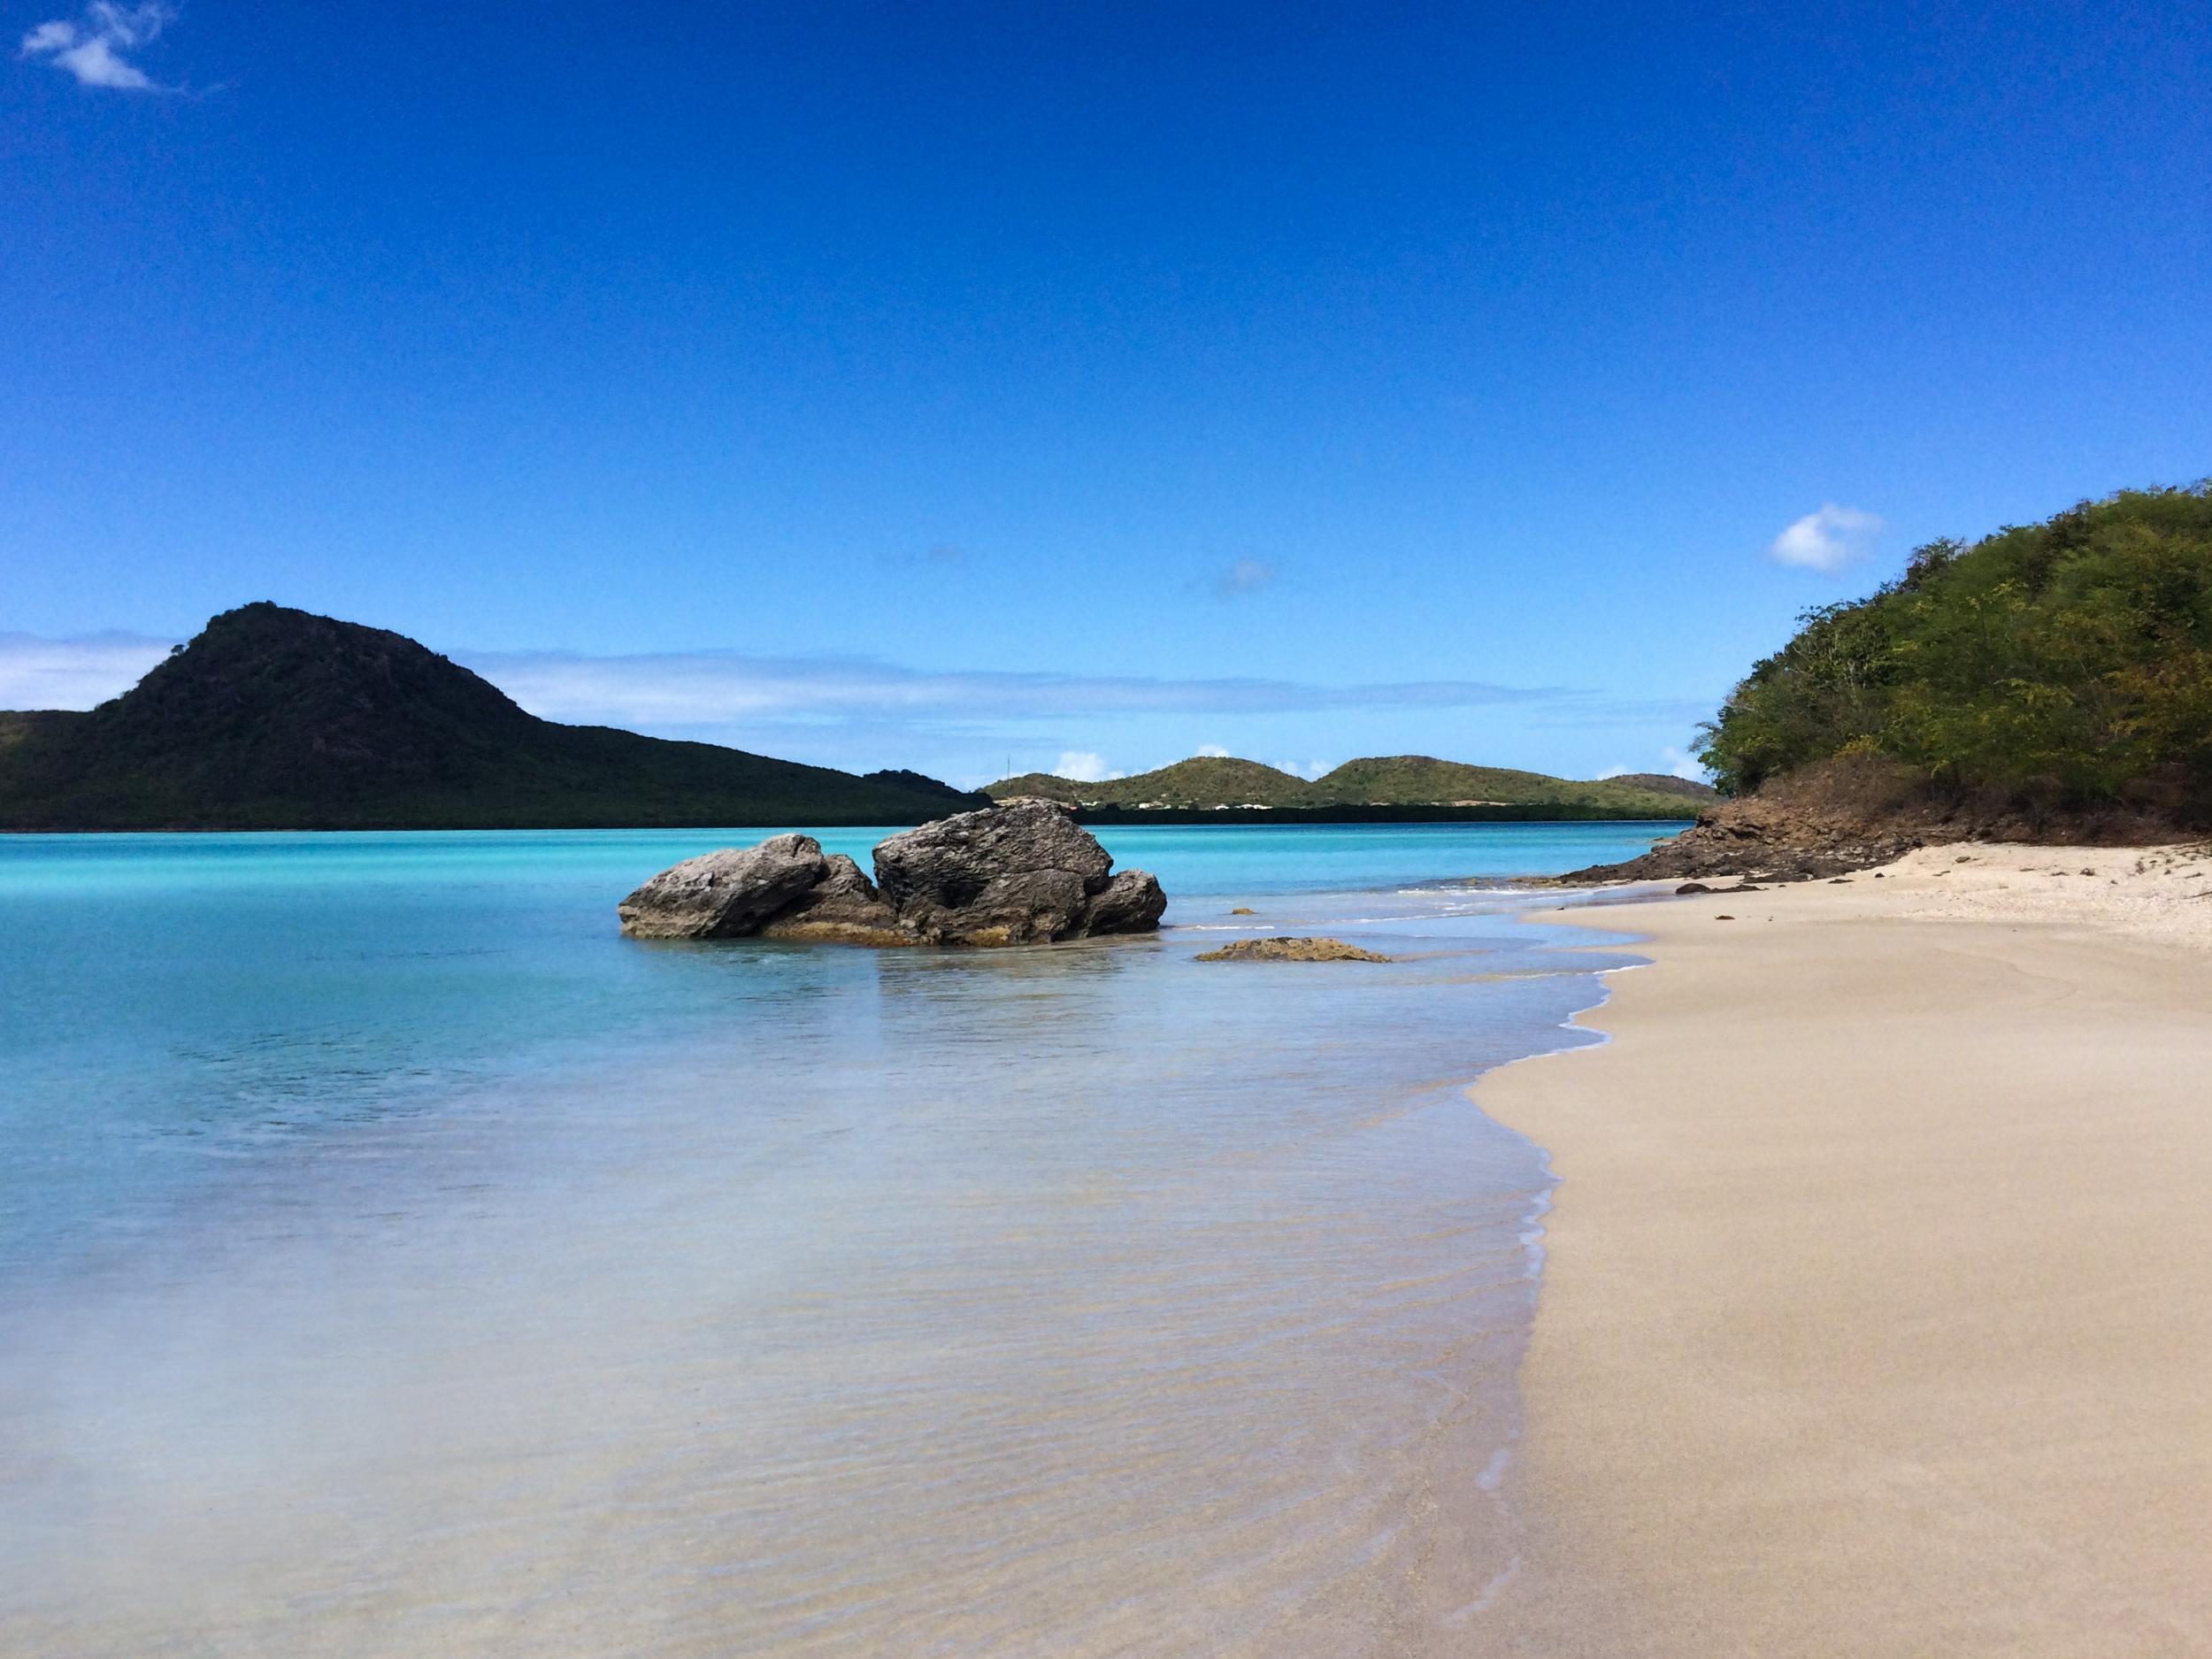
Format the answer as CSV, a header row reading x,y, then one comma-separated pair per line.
x,y
1205,780
1666,783
1421,780
1397,780
273,719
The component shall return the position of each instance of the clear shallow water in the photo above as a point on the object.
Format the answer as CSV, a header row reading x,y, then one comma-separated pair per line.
x,y
395,1260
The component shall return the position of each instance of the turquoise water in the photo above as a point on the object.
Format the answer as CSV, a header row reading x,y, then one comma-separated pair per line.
x,y
394,1259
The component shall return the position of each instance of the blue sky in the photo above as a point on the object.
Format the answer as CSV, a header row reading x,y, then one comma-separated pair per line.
x,y
946,384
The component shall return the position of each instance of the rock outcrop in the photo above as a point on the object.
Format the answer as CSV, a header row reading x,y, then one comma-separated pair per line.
x,y
725,894
1288,949
1013,875
1823,822
843,907
1854,812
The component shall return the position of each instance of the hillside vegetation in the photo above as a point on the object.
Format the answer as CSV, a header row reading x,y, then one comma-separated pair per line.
x,y
2065,665
272,718
1405,781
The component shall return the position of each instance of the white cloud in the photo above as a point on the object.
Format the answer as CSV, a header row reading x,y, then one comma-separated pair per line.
x,y
1212,752
91,48
37,673
1243,577
1306,769
1674,763
1827,540
1083,766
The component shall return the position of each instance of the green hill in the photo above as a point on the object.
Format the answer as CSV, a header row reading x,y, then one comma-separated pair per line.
x,y
1665,783
1399,780
1424,780
1205,780
2066,664
272,718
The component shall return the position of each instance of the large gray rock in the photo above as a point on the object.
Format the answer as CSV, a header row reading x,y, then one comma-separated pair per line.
x,y
725,894
1013,875
843,908
1132,903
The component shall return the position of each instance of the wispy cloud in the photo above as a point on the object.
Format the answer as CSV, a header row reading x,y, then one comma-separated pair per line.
x,y
717,688
82,673
1827,540
1212,752
1243,579
728,689
91,46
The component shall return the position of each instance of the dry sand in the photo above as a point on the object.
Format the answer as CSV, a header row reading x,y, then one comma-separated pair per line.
x,y
1877,1317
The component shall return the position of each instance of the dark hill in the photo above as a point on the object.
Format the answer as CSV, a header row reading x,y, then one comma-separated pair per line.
x,y
274,718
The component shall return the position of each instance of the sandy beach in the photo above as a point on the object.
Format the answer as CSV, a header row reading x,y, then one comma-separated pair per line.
x,y
1876,1315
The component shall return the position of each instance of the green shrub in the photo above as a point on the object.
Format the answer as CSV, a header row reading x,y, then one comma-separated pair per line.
x,y
2070,659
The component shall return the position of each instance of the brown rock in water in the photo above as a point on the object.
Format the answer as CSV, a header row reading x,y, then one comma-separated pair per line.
x,y
1004,876
1291,950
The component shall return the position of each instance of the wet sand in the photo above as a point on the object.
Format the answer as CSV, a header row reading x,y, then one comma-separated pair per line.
x,y
1876,1315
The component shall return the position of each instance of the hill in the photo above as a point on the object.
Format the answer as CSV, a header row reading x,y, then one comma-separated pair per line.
x,y
273,719
2050,682
1422,780
1210,782
1205,780
2067,664
1666,783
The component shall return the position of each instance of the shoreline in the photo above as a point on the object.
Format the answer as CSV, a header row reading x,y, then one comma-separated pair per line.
x,y
1877,1276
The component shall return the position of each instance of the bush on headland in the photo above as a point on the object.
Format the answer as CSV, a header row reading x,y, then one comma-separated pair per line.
x,y
2059,667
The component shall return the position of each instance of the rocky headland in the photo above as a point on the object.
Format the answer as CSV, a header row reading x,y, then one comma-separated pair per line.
x,y
1855,813
1021,874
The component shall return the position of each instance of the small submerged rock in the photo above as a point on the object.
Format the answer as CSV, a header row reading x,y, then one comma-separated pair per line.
x,y
1292,950
1013,875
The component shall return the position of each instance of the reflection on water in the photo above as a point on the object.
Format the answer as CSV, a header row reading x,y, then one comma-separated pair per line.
x,y
434,1272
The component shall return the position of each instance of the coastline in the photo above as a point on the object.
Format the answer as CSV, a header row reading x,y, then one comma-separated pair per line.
x,y
1878,1285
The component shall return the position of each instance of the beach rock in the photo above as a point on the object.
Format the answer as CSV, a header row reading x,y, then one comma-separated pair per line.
x,y
725,894
1003,875
1011,875
1854,812
1132,903
843,908
1291,950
